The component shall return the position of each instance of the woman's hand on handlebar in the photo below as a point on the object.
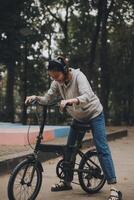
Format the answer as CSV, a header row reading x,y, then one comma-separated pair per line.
x,y
31,99
68,102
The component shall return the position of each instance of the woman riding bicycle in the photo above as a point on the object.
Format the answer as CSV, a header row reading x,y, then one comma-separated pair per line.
x,y
74,88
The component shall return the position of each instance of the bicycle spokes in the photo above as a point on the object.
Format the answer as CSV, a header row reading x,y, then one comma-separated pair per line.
x,y
25,182
91,176
25,185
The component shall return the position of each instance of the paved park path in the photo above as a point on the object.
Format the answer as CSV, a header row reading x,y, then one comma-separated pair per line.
x,y
123,155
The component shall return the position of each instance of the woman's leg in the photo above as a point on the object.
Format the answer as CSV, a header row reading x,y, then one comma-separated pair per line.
x,y
100,141
75,136
104,154
72,138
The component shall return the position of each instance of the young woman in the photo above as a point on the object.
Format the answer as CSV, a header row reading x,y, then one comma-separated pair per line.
x,y
74,88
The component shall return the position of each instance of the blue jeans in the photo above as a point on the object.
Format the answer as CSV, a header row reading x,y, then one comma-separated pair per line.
x,y
100,140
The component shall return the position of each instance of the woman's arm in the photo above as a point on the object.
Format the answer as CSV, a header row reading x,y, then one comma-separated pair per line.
x,y
84,88
44,100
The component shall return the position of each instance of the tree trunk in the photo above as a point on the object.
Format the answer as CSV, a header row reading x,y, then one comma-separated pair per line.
x,y
95,39
24,81
105,75
9,111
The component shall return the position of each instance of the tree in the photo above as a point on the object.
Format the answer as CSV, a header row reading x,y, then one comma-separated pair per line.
x,y
121,62
88,32
9,15
104,55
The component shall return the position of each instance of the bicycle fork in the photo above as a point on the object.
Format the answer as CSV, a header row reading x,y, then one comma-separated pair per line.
x,y
36,164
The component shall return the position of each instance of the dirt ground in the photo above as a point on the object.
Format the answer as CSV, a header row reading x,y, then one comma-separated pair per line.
x,y
11,149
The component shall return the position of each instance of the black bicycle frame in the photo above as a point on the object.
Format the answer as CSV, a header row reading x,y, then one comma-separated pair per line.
x,y
61,149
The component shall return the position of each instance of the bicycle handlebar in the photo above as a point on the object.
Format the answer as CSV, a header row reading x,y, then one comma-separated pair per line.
x,y
54,103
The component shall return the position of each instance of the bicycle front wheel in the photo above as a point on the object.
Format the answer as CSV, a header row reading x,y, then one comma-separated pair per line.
x,y
25,181
91,177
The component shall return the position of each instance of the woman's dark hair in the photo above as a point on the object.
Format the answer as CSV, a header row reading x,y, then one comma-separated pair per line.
x,y
58,64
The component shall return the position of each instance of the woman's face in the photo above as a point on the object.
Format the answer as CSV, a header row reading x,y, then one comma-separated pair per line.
x,y
57,76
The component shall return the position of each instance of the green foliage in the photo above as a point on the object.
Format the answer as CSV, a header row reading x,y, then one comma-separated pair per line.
x,y
31,32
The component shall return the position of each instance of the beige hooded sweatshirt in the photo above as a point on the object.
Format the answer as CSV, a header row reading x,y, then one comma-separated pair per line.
x,y
78,87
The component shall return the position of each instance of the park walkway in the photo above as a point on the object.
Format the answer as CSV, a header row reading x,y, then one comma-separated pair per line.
x,y
11,151
123,156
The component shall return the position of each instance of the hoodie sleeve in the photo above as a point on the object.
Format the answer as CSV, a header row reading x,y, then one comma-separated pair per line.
x,y
50,94
84,89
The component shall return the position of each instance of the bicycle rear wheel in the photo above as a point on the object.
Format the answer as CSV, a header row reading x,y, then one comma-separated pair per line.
x,y
25,181
60,169
91,177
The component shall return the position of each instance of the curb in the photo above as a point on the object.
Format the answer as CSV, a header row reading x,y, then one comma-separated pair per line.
x,y
11,161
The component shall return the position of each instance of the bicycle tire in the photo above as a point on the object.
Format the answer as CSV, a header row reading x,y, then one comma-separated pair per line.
x,y
60,169
13,186
91,177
